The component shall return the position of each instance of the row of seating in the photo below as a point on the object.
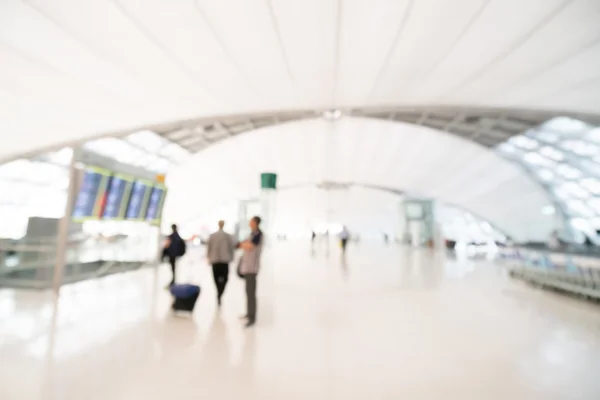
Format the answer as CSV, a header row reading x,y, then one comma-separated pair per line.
x,y
578,276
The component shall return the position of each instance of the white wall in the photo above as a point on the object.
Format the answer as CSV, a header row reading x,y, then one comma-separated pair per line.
x,y
421,161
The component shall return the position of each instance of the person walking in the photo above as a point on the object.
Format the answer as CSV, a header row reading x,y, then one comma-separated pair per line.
x,y
344,236
249,267
175,247
219,252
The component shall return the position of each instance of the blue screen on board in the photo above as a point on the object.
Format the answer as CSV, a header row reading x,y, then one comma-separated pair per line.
x,y
114,200
155,204
88,195
136,201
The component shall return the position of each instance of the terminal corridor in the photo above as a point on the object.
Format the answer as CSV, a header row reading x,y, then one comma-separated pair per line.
x,y
451,150
388,322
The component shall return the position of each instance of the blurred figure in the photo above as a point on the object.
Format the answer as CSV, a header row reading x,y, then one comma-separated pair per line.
x,y
386,238
174,248
344,236
554,241
219,251
249,267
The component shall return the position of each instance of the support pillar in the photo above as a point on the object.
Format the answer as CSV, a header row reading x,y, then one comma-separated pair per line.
x,y
65,223
419,227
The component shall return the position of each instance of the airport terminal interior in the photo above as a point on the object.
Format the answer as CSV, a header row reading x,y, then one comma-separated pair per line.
x,y
426,176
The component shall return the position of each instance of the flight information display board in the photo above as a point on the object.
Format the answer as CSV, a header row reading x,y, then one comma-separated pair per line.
x,y
155,205
138,201
117,198
91,198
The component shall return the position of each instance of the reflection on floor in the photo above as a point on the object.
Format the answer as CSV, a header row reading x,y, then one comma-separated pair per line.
x,y
389,323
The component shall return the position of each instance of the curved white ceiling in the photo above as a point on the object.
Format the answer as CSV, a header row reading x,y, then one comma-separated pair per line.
x,y
421,161
72,69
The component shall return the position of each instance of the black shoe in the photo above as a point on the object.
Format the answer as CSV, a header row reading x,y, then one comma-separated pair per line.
x,y
249,324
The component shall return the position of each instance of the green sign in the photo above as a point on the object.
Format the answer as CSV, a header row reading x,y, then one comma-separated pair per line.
x,y
268,180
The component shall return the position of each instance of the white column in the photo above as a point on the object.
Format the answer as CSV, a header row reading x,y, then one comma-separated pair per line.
x,y
65,222
267,203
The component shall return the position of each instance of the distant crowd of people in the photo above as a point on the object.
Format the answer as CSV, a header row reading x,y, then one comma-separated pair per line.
x,y
220,251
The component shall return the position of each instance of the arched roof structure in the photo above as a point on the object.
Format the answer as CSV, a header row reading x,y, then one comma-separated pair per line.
x,y
417,160
563,155
74,70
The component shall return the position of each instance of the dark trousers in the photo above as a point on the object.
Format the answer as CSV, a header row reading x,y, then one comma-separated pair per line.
x,y
173,262
251,296
344,243
221,275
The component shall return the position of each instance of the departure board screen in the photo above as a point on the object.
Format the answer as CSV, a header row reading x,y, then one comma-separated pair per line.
x,y
91,198
138,201
155,205
117,197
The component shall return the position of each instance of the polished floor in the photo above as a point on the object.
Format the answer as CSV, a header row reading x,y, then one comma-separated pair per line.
x,y
388,323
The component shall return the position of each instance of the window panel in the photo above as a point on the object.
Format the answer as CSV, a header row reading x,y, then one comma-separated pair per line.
x,y
162,165
549,151
524,142
158,164
143,149
578,208
15,169
9,193
566,125
594,204
580,224
591,184
62,157
14,222
175,153
117,149
549,137
580,147
592,167
545,174
572,189
568,172
552,153
538,159
594,135
147,140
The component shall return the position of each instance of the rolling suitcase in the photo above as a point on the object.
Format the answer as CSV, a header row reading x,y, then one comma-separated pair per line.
x,y
185,297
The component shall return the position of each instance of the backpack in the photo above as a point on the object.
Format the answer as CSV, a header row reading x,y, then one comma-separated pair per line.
x,y
178,247
182,248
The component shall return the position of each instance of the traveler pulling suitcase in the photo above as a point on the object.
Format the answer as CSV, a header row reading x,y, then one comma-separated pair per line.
x,y
185,297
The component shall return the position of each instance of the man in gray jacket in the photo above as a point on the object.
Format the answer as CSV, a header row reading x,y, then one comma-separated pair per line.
x,y
219,252
249,267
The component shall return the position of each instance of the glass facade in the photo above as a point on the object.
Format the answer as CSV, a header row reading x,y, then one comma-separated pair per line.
x,y
563,155
38,187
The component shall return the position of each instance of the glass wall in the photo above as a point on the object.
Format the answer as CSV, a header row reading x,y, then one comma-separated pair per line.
x,y
33,197
563,155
